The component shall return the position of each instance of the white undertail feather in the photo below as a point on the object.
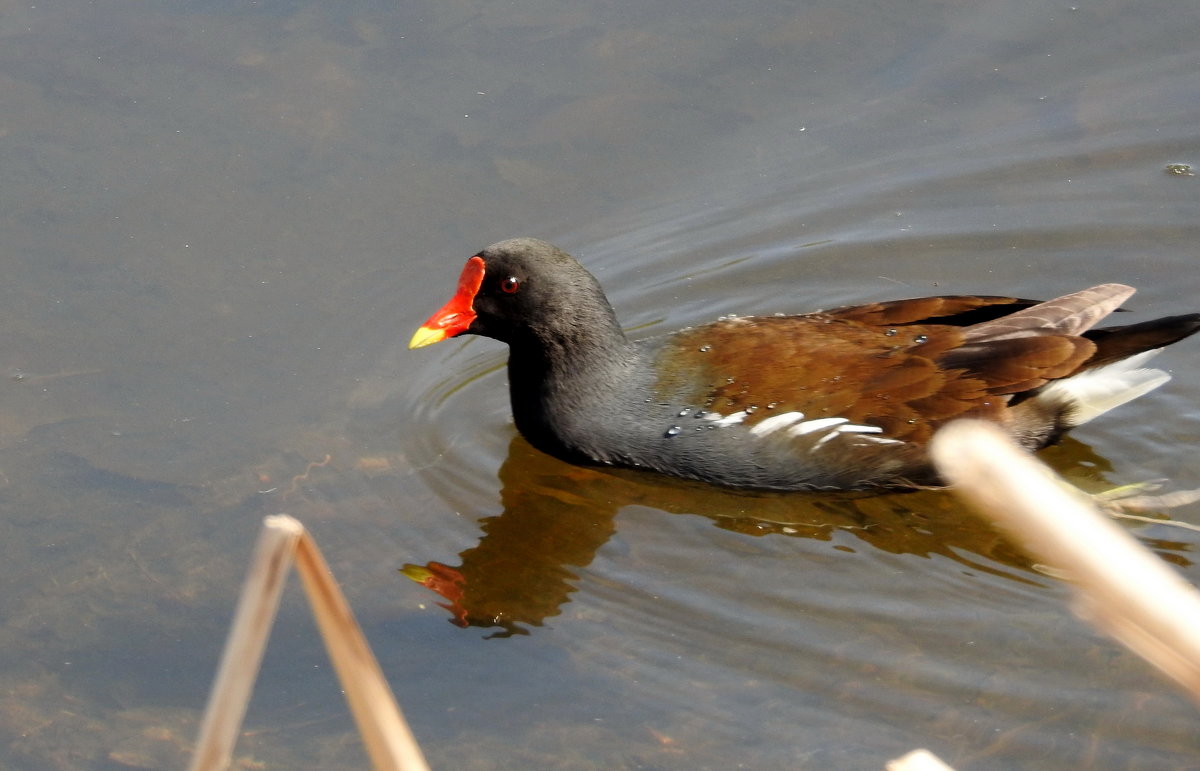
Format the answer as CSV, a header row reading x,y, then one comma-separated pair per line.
x,y
1094,392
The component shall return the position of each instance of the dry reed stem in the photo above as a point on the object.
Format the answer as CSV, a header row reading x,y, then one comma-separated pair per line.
x,y
918,760
1122,587
246,642
387,738
384,731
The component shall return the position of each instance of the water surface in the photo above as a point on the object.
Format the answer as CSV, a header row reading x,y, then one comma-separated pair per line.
x,y
223,222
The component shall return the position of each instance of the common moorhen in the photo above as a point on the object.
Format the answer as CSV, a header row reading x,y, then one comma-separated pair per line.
x,y
839,399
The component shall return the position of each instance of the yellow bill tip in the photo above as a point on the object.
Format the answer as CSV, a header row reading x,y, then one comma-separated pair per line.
x,y
426,336
418,573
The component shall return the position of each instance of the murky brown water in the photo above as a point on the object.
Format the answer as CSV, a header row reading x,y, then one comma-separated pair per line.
x,y
222,222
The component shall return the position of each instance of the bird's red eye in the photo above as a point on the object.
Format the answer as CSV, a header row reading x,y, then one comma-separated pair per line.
x,y
510,285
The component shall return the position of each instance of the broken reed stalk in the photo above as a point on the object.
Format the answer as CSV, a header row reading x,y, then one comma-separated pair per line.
x,y
1121,587
918,760
386,736
245,645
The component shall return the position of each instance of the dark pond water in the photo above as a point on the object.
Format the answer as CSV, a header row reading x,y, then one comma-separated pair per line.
x,y
224,220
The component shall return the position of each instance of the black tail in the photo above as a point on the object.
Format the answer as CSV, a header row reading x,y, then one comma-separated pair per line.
x,y
1116,343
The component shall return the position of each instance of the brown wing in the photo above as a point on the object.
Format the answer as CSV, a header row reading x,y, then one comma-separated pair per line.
x,y
956,310
1071,314
902,377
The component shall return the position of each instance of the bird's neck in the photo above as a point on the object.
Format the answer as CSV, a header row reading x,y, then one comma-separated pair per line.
x,y
580,369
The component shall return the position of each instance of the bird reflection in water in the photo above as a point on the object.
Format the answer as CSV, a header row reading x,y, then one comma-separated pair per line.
x,y
556,516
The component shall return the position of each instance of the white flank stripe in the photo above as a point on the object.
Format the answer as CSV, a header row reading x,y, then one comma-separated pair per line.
x,y
851,428
791,421
808,426
776,422
728,420
883,440
823,440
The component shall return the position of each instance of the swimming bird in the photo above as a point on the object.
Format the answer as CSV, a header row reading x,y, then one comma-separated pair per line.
x,y
841,399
